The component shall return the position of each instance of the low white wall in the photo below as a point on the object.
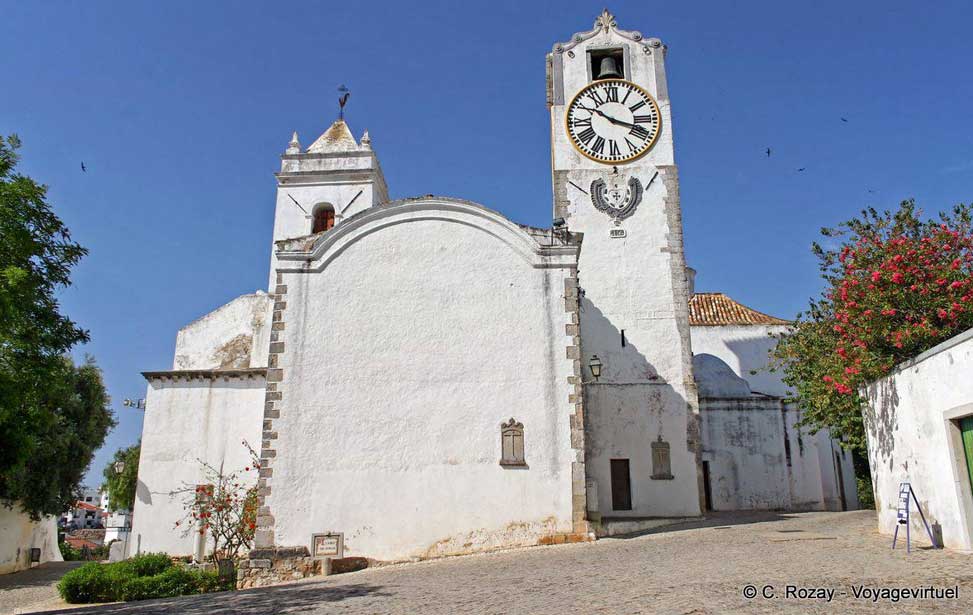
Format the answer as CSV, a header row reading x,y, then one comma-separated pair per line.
x,y
760,460
911,421
19,534
187,420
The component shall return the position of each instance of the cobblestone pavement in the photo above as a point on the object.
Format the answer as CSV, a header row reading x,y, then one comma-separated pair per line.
x,y
699,567
33,590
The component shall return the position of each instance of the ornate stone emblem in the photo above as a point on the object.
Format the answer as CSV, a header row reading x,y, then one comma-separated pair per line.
x,y
615,196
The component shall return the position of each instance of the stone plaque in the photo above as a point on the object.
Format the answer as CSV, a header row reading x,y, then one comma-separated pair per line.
x,y
617,233
327,545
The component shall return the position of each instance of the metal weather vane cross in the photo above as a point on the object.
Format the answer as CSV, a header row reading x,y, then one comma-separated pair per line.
x,y
342,100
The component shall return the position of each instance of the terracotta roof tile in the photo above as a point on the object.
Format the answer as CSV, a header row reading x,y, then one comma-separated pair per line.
x,y
715,309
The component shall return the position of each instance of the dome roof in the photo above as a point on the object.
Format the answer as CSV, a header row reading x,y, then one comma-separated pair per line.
x,y
715,378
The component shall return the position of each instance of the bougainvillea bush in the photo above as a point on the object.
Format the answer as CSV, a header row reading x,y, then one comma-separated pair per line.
x,y
896,285
223,510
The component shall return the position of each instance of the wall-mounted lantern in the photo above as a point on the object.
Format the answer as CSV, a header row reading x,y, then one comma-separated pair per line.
x,y
119,467
594,364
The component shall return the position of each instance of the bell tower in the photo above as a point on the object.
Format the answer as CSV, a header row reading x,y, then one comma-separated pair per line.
x,y
317,188
615,181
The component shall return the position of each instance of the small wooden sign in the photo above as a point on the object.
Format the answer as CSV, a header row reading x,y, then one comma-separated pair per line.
x,y
331,544
617,233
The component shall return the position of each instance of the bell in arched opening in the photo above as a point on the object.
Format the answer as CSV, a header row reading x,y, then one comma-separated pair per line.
x,y
608,69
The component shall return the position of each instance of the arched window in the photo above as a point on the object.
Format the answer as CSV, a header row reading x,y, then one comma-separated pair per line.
x,y
512,443
323,218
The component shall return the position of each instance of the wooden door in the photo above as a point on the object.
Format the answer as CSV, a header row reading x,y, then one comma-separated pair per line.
x,y
966,427
621,485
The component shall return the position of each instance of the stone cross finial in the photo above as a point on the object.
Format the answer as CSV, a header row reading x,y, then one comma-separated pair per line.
x,y
294,146
366,141
605,21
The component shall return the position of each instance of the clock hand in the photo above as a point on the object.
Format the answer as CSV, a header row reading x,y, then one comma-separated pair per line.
x,y
608,117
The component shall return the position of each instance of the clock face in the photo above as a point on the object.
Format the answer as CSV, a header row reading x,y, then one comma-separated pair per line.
x,y
612,121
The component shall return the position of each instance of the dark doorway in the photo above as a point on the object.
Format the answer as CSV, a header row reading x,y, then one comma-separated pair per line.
x,y
707,492
621,485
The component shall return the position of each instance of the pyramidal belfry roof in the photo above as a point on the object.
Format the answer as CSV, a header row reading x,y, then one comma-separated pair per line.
x,y
337,138
716,309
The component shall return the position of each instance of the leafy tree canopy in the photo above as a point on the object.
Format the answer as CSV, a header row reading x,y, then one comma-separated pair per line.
x,y
53,414
896,285
121,485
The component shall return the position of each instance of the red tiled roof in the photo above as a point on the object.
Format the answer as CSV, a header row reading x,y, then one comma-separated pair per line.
x,y
715,309
77,543
85,505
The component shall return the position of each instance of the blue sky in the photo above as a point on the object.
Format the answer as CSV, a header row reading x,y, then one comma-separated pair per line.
x,y
180,110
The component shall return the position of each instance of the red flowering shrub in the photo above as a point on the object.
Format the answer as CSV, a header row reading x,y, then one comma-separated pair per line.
x,y
223,510
896,286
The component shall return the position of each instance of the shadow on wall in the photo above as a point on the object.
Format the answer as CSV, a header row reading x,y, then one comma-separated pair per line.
x,y
301,598
142,493
753,355
627,364
881,419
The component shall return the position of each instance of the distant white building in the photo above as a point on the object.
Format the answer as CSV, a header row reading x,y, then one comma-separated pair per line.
x,y
83,516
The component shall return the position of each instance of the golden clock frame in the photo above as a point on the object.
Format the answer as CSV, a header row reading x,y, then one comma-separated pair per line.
x,y
651,99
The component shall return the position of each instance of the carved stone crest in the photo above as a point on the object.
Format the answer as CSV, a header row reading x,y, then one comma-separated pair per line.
x,y
616,197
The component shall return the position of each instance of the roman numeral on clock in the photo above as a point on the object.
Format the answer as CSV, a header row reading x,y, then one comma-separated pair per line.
x,y
644,119
579,122
587,135
631,146
637,106
611,94
613,148
599,146
638,131
596,97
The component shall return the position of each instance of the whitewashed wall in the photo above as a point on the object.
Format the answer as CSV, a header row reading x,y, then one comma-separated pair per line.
x,y
429,324
913,435
19,534
187,419
745,349
234,335
758,457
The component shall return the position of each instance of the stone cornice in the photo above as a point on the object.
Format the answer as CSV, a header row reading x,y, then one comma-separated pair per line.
x,y
603,24
542,250
206,374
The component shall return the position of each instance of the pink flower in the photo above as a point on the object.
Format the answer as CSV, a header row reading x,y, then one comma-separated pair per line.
x,y
876,276
898,278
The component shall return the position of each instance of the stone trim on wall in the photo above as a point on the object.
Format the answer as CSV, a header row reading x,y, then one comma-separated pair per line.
x,y
579,494
680,291
264,537
205,374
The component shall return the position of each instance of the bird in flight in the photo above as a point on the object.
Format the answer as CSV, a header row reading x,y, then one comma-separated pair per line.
x,y
768,152
84,169
802,169
843,120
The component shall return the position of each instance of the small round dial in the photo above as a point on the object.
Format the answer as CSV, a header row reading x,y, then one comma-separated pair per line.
x,y
613,120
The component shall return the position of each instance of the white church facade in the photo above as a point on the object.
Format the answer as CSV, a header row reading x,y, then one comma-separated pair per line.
x,y
425,377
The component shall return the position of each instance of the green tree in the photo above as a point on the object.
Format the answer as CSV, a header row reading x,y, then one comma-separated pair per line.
x,y
53,414
896,285
121,485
